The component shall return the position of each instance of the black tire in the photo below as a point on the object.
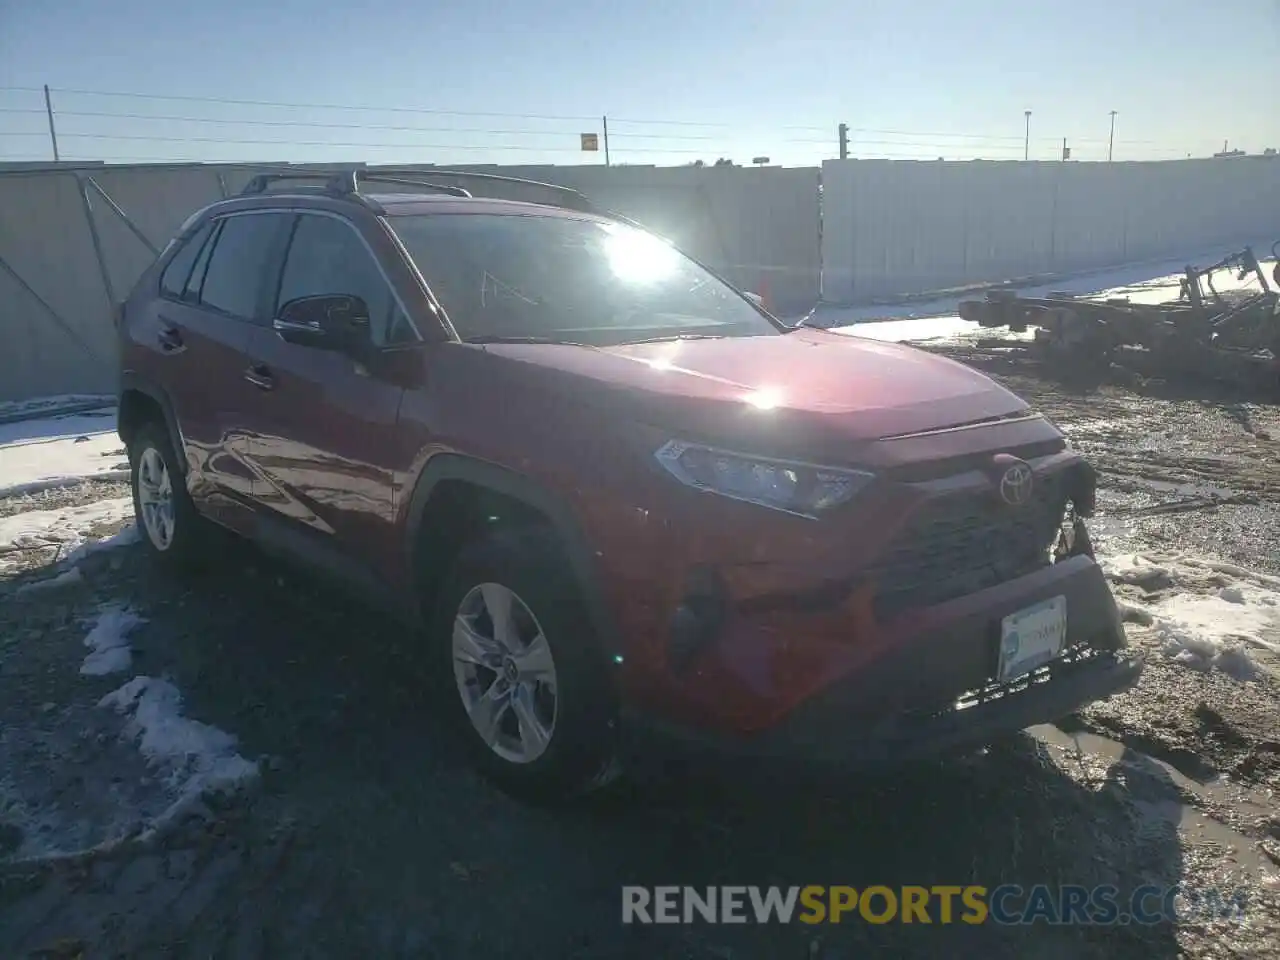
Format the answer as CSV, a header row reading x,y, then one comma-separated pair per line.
x,y
188,547
581,755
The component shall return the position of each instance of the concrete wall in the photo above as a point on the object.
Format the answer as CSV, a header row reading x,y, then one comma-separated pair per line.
x,y
56,297
758,227
886,227
893,227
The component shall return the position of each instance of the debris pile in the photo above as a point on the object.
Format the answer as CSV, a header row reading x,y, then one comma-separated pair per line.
x,y
1203,334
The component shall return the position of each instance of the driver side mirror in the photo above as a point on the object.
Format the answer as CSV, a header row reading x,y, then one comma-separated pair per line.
x,y
338,322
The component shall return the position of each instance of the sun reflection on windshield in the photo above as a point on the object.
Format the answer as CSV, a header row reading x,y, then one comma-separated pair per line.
x,y
639,258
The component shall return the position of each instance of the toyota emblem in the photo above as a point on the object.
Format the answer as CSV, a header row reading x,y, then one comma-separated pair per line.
x,y
1016,484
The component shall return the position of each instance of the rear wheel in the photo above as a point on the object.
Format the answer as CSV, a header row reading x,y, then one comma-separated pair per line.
x,y
520,669
172,530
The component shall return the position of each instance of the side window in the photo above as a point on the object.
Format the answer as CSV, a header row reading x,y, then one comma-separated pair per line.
x,y
327,257
233,278
191,293
174,279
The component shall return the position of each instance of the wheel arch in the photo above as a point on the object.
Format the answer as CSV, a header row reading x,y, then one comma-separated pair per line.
x,y
444,472
139,402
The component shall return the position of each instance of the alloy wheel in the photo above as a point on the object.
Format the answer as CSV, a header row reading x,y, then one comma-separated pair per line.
x,y
505,673
155,498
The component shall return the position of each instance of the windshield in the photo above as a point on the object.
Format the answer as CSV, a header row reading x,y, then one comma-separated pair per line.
x,y
560,279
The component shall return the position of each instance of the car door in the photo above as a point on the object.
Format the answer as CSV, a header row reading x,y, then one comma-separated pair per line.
x,y
228,291
212,294
328,449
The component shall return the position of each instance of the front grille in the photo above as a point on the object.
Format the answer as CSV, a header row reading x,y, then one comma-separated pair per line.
x,y
966,543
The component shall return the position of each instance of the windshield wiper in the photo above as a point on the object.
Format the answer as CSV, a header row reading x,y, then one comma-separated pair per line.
x,y
678,336
497,338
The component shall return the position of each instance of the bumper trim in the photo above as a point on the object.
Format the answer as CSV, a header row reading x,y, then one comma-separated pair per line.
x,y
827,738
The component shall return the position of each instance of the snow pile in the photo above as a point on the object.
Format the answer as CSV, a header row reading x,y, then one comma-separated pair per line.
x,y
126,536
72,575
195,758
108,641
59,451
1205,614
64,528
24,409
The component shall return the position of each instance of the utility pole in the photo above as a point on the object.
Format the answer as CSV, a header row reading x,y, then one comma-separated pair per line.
x,y
1111,141
843,130
53,134
605,122
1026,140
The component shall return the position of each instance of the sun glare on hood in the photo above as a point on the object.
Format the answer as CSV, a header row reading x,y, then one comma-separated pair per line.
x,y
766,399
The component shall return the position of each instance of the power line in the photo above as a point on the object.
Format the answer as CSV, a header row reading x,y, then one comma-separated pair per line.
x,y
362,126
343,143
940,141
306,123
309,106
923,145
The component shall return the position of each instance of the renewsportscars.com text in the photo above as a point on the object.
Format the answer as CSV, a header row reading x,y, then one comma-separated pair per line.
x,y
969,904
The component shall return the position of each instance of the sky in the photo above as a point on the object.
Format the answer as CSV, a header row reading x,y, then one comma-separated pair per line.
x,y
519,82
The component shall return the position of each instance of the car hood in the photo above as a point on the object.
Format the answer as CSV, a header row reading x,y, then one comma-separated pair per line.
x,y
788,391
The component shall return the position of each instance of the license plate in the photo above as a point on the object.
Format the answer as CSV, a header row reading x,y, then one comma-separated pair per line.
x,y
1032,637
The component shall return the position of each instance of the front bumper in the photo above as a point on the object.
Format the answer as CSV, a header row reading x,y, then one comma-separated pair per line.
x,y
828,733
926,689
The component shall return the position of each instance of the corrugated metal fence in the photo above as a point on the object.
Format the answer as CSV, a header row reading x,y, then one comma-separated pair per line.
x,y
74,240
892,227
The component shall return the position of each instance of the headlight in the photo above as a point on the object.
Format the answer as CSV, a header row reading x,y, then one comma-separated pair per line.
x,y
799,488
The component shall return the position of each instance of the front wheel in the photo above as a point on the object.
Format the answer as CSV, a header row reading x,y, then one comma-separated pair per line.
x,y
521,669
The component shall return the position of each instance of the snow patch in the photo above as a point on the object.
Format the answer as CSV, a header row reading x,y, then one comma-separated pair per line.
x,y
1198,616
66,576
108,641
23,409
193,757
125,537
64,528
50,452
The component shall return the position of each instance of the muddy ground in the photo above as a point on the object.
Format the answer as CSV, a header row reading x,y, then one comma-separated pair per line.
x,y
368,836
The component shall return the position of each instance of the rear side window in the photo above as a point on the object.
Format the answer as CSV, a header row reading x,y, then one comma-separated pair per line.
x,y
241,254
174,279
327,257
192,292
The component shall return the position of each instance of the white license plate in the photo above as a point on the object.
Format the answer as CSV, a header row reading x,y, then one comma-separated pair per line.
x,y
1032,637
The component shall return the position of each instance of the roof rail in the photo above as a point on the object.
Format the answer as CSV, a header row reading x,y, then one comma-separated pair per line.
x,y
342,183
260,182
459,183
490,185
348,181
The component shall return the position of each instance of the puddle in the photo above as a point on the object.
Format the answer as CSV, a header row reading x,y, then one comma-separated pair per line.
x,y
1103,528
1193,824
1087,428
1197,490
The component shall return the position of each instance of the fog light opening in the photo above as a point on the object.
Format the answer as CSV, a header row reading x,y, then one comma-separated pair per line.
x,y
697,619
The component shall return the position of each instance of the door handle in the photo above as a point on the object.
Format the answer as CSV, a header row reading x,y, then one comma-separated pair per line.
x,y
260,375
170,339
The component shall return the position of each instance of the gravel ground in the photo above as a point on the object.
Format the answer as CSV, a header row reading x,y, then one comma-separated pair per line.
x,y
368,836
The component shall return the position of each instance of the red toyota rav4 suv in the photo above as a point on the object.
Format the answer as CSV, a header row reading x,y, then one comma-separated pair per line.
x,y
613,492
